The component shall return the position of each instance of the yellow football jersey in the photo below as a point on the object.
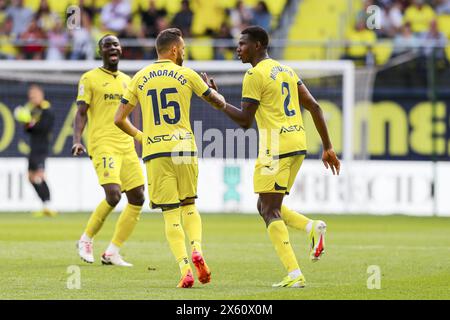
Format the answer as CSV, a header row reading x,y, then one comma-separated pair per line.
x,y
164,91
102,90
274,87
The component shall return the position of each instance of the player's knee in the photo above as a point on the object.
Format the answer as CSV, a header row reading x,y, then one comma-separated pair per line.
x,y
138,199
136,196
113,197
270,214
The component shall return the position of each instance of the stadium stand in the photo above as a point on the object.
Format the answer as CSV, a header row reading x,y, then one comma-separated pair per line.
x,y
334,35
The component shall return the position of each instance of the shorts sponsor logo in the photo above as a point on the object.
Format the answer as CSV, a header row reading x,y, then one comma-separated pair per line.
x,y
169,137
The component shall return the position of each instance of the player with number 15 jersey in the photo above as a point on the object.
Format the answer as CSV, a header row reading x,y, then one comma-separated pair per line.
x,y
164,90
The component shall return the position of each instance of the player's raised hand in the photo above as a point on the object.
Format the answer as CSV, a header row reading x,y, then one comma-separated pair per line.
x,y
331,160
210,82
78,149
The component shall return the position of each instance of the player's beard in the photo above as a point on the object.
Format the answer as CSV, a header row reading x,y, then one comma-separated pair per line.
x,y
179,59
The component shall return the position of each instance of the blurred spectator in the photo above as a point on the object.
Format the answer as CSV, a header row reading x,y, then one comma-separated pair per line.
x,y
7,48
419,15
240,17
89,8
131,52
115,15
82,41
391,19
435,40
406,41
362,40
262,16
58,42
442,6
433,46
363,15
33,41
183,19
384,3
161,24
21,16
221,38
403,4
149,19
3,8
46,19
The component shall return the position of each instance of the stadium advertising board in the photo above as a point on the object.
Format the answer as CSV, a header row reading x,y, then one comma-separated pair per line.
x,y
389,129
375,187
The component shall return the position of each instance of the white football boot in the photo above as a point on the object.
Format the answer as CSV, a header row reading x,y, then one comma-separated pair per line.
x,y
85,251
114,259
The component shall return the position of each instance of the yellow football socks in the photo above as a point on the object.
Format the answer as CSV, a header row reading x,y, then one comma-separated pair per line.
x,y
192,224
126,223
279,235
294,219
175,237
98,218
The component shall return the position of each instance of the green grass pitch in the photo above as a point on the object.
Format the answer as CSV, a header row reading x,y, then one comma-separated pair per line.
x,y
412,253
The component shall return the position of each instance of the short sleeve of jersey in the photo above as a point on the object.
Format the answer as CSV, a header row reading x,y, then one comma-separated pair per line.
x,y
130,95
84,90
198,86
252,87
297,78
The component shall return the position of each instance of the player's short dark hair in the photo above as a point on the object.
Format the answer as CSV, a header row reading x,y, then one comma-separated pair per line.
x,y
256,33
167,38
100,42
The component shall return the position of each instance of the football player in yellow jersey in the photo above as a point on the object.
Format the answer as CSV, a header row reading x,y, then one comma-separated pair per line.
x,y
112,152
273,93
164,91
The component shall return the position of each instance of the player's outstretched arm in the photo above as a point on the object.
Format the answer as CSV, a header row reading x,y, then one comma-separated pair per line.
x,y
244,117
215,99
121,120
329,157
78,127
